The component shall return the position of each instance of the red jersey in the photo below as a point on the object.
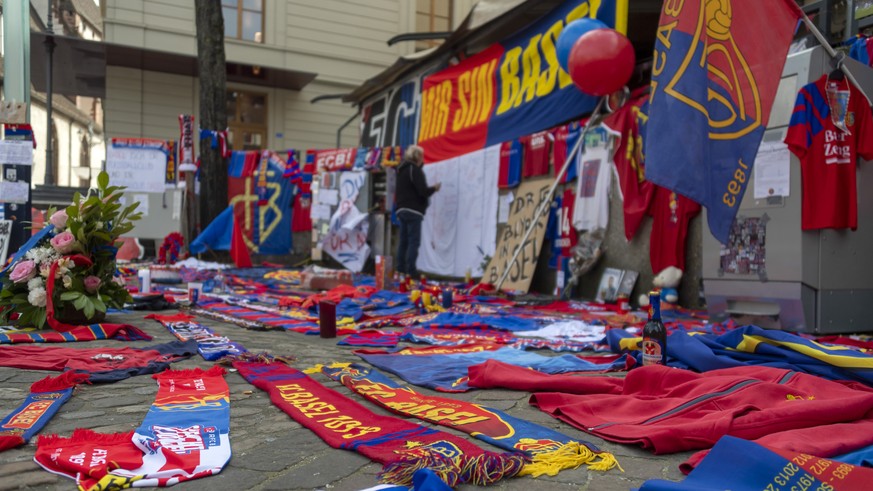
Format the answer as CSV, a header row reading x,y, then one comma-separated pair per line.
x,y
509,175
635,189
569,237
828,154
672,213
537,150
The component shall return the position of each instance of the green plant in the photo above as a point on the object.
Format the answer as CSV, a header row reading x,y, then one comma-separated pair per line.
x,y
82,242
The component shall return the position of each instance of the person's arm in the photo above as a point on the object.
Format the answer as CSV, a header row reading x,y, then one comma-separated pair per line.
x,y
419,181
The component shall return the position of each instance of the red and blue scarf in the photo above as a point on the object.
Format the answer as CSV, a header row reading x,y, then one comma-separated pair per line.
x,y
94,332
211,346
403,447
549,450
45,399
184,436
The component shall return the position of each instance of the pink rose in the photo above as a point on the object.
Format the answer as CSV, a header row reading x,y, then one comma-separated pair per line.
x,y
64,242
59,219
92,283
23,272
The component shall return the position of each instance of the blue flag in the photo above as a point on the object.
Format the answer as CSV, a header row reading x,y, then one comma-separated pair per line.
x,y
715,74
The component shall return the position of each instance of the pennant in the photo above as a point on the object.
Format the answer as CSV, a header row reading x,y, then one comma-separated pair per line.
x,y
184,436
403,447
550,452
45,399
186,143
717,68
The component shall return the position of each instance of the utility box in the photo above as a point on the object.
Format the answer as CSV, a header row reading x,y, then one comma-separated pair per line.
x,y
818,281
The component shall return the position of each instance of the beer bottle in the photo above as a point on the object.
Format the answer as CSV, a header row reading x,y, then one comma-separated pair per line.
x,y
654,334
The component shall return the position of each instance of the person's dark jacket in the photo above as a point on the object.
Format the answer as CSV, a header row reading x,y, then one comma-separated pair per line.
x,y
412,188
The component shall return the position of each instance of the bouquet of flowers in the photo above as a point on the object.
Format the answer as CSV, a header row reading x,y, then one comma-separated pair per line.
x,y
71,268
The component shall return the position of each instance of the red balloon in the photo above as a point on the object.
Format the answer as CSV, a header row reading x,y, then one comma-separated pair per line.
x,y
601,62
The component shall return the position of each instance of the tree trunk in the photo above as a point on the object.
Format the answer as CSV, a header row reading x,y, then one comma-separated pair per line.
x,y
213,108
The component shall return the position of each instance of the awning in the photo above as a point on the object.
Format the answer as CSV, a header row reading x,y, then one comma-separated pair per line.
x,y
79,66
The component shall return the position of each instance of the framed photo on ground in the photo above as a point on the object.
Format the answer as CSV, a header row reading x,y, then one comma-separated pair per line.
x,y
628,280
609,284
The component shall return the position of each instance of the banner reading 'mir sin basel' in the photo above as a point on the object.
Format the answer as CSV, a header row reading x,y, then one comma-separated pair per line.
x,y
512,88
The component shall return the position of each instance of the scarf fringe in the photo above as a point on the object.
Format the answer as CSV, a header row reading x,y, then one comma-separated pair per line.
x,y
321,366
480,470
10,441
132,333
215,371
569,456
248,357
83,435
60,382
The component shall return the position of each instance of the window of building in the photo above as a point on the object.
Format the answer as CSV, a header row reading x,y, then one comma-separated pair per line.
x,y
56,158
243,19
432,16
83,173
247,120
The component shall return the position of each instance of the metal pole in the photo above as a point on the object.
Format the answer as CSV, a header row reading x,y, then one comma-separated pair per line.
x,y
49,50
833,54
547,202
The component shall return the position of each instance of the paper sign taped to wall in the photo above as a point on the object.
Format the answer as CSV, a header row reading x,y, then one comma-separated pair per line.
x,y
139,169
14,192
527,200
19,152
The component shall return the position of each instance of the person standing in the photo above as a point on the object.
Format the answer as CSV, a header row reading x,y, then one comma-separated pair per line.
x,y
412,200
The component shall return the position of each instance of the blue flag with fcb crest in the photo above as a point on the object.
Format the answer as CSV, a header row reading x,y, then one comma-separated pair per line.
x,y
716,70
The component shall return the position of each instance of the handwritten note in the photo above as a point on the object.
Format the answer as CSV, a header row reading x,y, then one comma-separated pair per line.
x,y
14,192
140,170
772,170
328,197
527,200
18,152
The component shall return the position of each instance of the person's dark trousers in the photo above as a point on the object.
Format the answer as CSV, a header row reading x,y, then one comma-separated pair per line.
x,y
410,241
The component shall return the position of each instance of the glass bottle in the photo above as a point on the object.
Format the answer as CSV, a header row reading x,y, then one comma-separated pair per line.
x,y
654,334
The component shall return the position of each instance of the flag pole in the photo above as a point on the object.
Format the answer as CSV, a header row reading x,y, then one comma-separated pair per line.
x,y
547,201
831,52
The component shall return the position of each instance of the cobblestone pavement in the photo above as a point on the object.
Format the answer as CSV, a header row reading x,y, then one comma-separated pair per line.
x,y
270,450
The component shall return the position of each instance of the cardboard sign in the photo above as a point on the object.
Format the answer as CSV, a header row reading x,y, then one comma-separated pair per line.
x,y
527,199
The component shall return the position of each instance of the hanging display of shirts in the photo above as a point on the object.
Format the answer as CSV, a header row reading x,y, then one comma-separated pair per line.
x,y
830,127
510,165
537,150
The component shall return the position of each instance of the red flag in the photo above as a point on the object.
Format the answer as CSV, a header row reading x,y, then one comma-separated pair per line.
x,y
239,251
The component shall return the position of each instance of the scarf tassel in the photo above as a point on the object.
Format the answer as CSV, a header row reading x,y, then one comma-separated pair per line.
x,y
480,470
10,441
569,456
60,382
248,357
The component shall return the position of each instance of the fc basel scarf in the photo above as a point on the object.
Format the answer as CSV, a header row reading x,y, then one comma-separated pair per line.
x,y
550,451
402,446
741,465
184,436
94,332
45,398
211,346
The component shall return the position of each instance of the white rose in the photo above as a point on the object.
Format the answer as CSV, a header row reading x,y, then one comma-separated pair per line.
x,y
36,297
68,282
35,283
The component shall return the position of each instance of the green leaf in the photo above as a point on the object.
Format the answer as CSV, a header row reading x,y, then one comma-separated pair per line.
x,y
77,197
39,318
73,211
98,304
68,296
103,179
89,308
80,302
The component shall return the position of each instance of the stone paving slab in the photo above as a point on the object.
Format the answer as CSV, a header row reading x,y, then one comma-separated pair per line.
x,y
270,450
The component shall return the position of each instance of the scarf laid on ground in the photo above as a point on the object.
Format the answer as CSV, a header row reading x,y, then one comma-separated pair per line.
x,y
184,436
667,410
101,364
94,332
403,447
372,338
276,318
549,451
444,368
45,398
741,465
211,346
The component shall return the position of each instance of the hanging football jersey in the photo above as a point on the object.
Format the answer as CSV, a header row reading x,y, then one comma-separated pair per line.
x,y
565,139
591,210
537,150
672,213
627,123
569,236
510,165
831,126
